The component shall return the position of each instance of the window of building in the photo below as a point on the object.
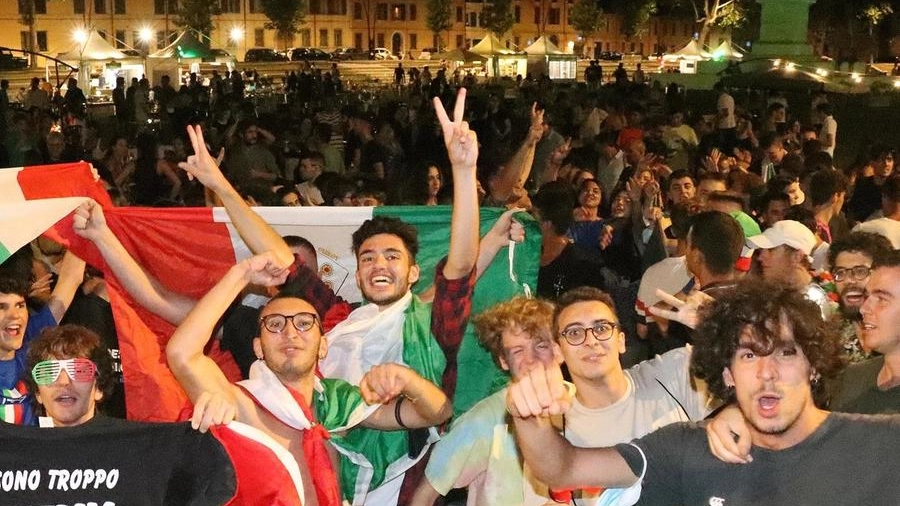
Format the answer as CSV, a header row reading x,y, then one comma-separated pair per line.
x,y
398,12
413,41
381,12
338,37
166,6
459,41
78,5
315,7
323,37
459,14
305,37
518,14
537,15
230,6
161,39
40,7
553,16
472,19
99,6
259,37
357,11
379,40
358,40
412,12
42,41
120,39
119,6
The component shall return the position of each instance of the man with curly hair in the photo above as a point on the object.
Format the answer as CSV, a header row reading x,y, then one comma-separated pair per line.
x,y
765,347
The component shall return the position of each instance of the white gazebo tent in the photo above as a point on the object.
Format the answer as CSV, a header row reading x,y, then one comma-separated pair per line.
x,y
545,58
502,61
691,51
185,51
95,53
726,51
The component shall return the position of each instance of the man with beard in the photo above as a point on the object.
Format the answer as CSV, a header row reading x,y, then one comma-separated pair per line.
x,y
851,261
764,347
873,386
247,160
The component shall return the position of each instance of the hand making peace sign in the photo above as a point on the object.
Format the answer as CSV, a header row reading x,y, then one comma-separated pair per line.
x,y
462,144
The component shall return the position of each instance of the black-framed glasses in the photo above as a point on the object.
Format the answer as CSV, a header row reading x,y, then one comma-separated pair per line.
x,y
857,273
602,331
276,323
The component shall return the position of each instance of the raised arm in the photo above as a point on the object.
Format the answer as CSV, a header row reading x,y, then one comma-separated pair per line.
x,y
462,148
515,172
71,274
196,372
421,402
530,400
505,229
258,235
90,223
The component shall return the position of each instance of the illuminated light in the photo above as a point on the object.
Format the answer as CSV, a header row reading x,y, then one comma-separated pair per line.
x,y
145,34
236,34
790,67
776,63
897,83
80,35
822,72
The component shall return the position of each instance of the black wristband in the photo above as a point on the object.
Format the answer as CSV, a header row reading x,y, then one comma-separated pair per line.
x,y
397,411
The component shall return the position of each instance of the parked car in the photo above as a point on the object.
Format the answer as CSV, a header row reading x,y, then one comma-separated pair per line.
x,y
263,54
10,61
381,53
427,53
611,55
349,53
307,53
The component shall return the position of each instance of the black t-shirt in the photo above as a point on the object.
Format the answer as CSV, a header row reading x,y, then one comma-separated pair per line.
x,y
110,461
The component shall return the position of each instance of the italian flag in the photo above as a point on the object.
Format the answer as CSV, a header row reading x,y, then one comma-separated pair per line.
x,y
190,249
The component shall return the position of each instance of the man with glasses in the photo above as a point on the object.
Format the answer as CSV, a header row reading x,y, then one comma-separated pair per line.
x,y
851,261
285,399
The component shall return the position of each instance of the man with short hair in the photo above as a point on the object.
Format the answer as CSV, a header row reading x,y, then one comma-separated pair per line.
x,y
764,347
889,224
247,160
312,164
828,131
851,259
827,190
784,256
779,161
772,207
710,182
680,186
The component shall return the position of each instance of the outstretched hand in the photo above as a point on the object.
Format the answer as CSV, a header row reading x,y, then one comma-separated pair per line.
x,y
384,382
201,164
461,143
686,311
88,221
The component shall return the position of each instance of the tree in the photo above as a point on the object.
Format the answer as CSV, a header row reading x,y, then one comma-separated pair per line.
x,y
499,17
197,15
874,14
635,15
285,17
587,17
721,13
438,18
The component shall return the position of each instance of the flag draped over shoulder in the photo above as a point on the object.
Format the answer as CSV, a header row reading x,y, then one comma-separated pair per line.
x,y
189,249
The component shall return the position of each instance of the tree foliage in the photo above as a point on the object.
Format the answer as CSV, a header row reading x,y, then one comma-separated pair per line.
x,y
285,17
499,17
587,17
438,18
197,15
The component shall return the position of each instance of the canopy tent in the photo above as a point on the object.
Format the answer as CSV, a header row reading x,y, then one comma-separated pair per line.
x,y
777,79
462,55
502,61
97,57
93,48
691,51
545,58
185,51
727,51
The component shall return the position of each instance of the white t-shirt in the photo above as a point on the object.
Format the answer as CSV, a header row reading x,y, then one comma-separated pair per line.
x,y
882,226
670,275
829,126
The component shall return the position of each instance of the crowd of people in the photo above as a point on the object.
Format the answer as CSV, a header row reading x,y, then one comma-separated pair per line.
x,y
698,262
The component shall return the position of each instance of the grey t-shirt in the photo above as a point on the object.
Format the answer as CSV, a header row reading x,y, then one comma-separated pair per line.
x,y
849,459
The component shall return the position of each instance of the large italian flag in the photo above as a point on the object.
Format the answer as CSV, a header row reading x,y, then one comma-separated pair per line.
x,y
189,249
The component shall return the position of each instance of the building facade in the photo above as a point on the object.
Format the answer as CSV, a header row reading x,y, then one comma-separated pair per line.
x,y
398,25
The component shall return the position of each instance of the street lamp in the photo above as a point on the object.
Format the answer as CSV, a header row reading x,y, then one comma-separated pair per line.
x,y
80,35
236,35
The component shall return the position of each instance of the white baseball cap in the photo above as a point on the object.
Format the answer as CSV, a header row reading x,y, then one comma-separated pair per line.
x,y
789,232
